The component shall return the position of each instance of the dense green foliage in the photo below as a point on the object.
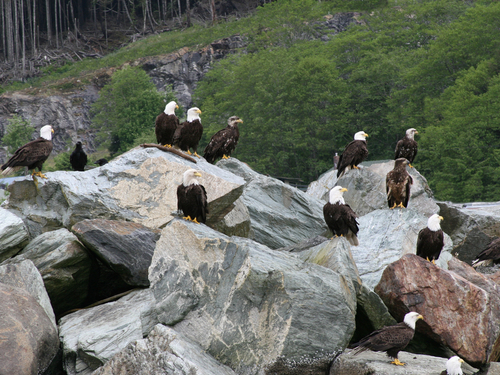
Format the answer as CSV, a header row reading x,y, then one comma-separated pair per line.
x,y
126,108
432,65
18,132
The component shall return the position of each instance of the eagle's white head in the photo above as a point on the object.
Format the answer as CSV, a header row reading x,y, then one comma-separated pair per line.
x,y
433,223
454,365
411,319
46,132
360,136
190,177
193,114
336,195
234,120
170,108
410,133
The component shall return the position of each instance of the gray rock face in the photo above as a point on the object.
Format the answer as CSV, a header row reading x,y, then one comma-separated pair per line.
x,y
366,188
140,186
377,363
127,248
64,265
92,337
295,216
13,234
24,275
386,235
29,339
163,352
247,305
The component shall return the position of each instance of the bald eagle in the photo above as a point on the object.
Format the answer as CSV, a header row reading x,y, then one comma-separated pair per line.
x,y
489,255
192,197
397,185
354,153
453,366
390,339
165,125
224,141
430,240
32,155
189,133
407,147
78,158
339,217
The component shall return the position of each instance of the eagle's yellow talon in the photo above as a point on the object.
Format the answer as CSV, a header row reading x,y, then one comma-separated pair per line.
x,y
397,362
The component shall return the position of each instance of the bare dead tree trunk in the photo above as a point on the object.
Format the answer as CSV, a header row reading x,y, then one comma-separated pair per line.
x,y
214,14
16,35
34,29
56,24
179,6
24,41
49,31
2,19
129,18
188,13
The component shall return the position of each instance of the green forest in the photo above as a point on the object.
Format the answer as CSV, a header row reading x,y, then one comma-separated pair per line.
x,y
429,64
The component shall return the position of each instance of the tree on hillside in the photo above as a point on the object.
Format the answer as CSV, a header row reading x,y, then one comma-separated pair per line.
x,y
18,132
127,107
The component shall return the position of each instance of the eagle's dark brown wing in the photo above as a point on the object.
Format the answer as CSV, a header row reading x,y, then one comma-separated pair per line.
x,y
32,155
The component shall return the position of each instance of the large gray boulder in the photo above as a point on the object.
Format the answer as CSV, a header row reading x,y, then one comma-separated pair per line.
x,y
125,247
13,234
64,264
377,363
24,275
29,339
246,305
139,186
367,188
93,336
164,351
385,236
280,215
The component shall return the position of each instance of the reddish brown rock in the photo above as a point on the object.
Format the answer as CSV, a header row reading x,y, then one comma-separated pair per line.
x,y
28,339
461,307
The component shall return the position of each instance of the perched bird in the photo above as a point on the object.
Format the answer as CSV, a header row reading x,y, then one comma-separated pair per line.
x,y
430,240
78,158
390,339
336,158
339,217
354,153
192,197
32,155
165,125
224,141
189,133
453,366
407,147
101,162
398,184
489,255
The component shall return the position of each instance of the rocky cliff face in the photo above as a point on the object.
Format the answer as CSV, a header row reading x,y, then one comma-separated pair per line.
x,y
163,293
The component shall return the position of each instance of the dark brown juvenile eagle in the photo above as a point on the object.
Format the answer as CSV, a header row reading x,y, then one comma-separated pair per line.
x,y
430,240
390,339
78,158
354,153
192,197
407,147
398,184
32,155
224,141
489,255
339,217
189,133
165,125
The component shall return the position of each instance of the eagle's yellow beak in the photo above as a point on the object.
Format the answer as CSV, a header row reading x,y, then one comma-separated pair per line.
x,y
199,111
344,189
416,132
198,174
240,120
441,218
420,317
52,130
461,360
176,106
366,135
